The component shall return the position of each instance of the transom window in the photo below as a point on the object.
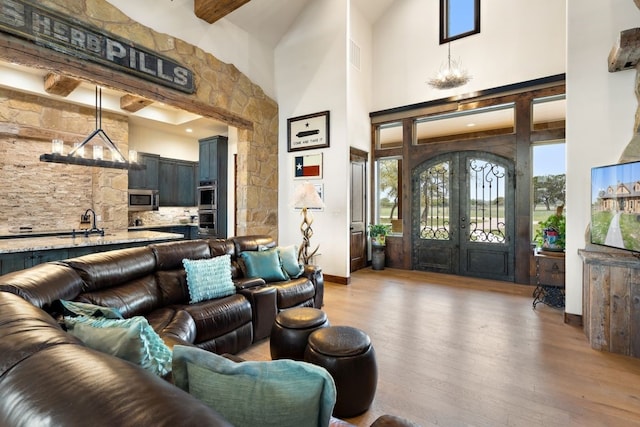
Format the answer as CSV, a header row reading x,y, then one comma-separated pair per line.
x,y
458,18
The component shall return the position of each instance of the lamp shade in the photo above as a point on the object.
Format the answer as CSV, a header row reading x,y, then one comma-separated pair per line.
x,y
306,196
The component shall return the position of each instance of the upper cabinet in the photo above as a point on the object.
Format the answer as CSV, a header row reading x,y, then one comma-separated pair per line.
x,y
213,159
145,178
174,179
177,182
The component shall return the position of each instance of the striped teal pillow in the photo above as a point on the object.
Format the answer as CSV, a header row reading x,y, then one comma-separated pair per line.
x,y
209,278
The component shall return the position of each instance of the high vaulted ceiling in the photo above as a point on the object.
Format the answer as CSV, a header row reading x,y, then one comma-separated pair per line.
x,y
269,20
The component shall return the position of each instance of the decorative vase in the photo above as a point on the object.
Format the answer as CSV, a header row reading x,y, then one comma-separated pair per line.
x,y
377,257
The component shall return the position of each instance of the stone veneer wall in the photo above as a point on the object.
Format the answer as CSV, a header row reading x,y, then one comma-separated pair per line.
x,y
228,92
51,196
632,150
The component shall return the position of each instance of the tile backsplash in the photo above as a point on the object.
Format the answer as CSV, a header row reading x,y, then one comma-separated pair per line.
x,y
165,216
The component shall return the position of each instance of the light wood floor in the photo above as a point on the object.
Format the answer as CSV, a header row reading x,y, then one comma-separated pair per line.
x,y
456,351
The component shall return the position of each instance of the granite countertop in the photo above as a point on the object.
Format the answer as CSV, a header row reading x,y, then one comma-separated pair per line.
x,y
154,226
41,243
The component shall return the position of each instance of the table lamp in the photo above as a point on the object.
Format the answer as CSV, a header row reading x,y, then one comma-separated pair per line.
x,y
306,196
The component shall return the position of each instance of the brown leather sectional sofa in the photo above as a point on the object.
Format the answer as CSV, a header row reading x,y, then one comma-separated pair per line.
x,y
48,377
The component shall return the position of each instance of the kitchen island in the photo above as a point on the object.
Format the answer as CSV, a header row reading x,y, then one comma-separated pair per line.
x,y
22,252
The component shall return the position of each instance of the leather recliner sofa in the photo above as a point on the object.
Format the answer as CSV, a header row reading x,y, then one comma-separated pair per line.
x,y
150,281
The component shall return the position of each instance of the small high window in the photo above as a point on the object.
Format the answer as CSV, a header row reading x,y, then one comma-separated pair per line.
x,y
458,18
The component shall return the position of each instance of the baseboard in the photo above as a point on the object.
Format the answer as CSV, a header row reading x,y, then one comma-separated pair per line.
x,y
573,319
337,279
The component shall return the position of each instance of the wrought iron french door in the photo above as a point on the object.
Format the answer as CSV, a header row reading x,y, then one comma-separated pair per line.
x,y
463,215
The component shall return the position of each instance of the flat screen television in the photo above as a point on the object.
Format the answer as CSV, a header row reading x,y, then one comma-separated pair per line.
x,y
615,206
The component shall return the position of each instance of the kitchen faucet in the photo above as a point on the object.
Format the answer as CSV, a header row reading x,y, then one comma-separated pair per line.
x,y
94,227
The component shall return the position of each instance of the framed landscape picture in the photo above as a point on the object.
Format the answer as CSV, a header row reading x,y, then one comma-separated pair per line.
x,y
307,132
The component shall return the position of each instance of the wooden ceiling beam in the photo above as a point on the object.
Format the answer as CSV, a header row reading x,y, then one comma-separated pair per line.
x,y
213,10
132,103
625,54
58,84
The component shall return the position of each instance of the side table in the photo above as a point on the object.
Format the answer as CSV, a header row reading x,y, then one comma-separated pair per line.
x,y
549,278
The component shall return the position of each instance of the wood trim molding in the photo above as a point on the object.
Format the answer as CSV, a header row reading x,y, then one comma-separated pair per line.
x,y
573,319
337,279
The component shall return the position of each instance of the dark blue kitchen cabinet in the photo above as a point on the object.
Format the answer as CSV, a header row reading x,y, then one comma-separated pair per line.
x,y
213,167
213,158
177,182
145,178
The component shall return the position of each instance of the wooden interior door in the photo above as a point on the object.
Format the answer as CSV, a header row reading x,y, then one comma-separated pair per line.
x,y
358,242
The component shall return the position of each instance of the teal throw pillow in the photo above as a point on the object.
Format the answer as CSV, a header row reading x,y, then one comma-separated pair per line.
x,y
209,278
278,393
289,258
75,308
264,264
130,339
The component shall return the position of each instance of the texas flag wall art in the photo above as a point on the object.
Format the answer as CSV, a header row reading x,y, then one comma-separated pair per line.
x,y
308,166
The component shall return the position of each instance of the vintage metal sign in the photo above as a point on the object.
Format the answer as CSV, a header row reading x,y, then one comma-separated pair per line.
x,y
65,34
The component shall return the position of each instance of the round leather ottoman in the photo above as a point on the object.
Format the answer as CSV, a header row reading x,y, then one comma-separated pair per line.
x,y
348,355
292,328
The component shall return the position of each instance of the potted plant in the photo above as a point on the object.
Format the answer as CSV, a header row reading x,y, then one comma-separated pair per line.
x,y
550,235
378,233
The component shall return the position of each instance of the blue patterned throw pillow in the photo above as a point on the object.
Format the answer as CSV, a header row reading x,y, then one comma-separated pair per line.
x,y
130,339
209,278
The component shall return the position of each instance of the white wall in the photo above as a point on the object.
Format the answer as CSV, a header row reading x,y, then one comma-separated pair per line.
x,y
151,140
519,40
311,77
359,81
222,39
600,113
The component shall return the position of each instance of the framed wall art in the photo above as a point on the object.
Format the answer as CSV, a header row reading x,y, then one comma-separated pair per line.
x,y
307,166
307,132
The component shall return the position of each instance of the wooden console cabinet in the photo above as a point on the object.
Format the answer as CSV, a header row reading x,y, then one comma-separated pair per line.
x,y
611,301
549,278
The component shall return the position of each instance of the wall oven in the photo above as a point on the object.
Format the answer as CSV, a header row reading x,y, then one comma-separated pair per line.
x,y
207,222
143,200
208,196
208,208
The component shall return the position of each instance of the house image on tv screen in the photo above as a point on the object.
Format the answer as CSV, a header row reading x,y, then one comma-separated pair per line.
x,y
615,206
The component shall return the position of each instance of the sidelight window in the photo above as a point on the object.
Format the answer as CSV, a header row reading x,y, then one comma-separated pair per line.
x,y
389,208
548,181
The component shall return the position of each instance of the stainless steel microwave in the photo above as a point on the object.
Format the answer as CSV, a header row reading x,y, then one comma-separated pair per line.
x,y
143,200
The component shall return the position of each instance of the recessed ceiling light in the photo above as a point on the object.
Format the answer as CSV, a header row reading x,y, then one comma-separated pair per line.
x,y
189,130
471,125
